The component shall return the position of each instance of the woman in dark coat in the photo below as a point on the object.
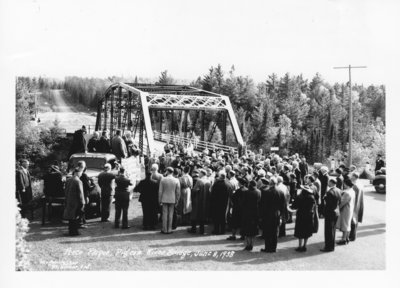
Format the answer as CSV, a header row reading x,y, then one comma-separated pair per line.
x,y
305,205
148,190
251,199
219,198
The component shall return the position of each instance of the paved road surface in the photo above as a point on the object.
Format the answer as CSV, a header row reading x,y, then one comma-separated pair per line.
x,y
103,248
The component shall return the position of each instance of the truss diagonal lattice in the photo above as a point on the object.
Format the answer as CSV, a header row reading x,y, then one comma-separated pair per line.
x,y
185,101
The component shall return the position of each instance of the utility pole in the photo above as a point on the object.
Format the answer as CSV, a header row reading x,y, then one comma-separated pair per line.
x,y
350,156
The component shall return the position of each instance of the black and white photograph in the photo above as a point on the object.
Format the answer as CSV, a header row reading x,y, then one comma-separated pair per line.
x,y
199,136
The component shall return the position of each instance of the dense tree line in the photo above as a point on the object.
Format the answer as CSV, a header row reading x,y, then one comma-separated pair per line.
x,y
309,117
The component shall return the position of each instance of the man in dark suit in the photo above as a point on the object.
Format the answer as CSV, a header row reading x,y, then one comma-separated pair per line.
x,y
379,163
303,166
200,201
78,142
52,182
118,146
24,187
103,145
219,197
92,145
271,208
122,199
74,202
332,201
324,178
105,179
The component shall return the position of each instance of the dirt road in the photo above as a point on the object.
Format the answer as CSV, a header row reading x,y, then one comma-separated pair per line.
x,y
69,118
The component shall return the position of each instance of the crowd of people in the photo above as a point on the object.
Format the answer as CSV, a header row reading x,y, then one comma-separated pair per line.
x,y
254,195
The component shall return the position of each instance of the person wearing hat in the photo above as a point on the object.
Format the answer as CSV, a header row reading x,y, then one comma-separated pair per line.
x,y
379,163
93,142
148,190
105,180
168,197
103,145
200,201
339,178
358,205
303,166
304,227
285,174
310,181
236,206
74,202
260,176
24,187
52,183
271,206
282,188
250,213
185,199
324,178
331,201
346,208
122,198
118,146
219,199
78,142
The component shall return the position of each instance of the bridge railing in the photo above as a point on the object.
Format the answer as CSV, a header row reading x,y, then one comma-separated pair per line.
x,y
198,145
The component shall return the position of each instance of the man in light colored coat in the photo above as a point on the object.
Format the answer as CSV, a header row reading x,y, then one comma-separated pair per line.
x,y
285,216
168,196
358,205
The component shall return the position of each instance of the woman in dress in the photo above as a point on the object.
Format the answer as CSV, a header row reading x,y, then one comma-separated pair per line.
x,y
128,142
185,204
346,208
304,227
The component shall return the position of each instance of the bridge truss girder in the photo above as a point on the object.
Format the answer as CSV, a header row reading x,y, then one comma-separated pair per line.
x,y
121,101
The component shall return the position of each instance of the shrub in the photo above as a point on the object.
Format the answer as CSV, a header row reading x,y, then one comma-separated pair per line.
x,y
21,247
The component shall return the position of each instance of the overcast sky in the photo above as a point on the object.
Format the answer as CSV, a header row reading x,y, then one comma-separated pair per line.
x,y
143,38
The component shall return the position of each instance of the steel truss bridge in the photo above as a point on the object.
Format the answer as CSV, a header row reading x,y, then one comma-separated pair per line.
x,y
176,113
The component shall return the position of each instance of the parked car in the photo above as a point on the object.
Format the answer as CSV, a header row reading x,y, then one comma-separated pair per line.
x,y
379,183
94,165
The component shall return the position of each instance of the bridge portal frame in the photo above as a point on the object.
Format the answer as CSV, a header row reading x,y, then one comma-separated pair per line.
x,y
143,98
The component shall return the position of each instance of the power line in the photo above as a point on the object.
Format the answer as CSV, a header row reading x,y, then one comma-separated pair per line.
x,y
350,156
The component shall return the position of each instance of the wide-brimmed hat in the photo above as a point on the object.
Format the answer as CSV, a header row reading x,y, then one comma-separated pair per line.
x,y
242,181
265,180
306,188
54,168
